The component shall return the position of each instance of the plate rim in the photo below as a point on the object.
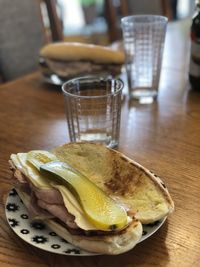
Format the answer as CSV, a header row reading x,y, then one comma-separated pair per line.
x,y
156,227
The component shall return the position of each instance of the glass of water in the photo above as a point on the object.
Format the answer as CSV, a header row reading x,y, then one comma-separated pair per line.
x,y
93,109
143,38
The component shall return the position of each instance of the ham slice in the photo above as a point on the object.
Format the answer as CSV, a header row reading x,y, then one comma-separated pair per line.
x,y
37,212
60,212
49,195
45,203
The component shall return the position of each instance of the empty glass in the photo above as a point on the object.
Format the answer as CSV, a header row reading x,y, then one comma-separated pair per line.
x,y
93,109
143,37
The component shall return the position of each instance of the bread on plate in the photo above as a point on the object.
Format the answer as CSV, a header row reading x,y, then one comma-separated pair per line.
x,y
102,208
70,59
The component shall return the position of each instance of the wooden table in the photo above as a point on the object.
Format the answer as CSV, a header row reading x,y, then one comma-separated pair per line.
x,y
164,137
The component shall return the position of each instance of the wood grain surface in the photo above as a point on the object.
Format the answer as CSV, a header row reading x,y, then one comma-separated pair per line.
x,y
163,136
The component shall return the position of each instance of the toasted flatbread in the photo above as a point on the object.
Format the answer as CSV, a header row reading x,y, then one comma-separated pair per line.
x,y
110,244
121,177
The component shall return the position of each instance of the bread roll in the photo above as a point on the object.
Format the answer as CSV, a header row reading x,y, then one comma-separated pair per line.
x,y
68,52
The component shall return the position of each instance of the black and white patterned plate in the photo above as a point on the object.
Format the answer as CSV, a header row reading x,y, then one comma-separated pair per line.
x,y
40,235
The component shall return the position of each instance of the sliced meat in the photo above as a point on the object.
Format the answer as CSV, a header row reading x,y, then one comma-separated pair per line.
x,y
60,212
35,211
45,203
71,68
49,195
20,176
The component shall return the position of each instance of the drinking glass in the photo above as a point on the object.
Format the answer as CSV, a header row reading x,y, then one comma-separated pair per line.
x,y
93,109
143,39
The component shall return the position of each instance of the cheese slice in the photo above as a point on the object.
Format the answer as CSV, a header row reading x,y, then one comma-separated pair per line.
x,y
16,162
72,205
33,174
75,209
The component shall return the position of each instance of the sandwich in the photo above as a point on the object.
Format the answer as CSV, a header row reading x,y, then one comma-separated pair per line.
x,y
67,60
94,197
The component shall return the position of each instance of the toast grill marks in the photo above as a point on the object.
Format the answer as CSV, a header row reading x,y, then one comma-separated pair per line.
x,y
124,180
112,172
142,192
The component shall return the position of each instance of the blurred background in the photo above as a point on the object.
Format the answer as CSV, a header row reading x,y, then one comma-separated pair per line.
x,y
27,25
98,21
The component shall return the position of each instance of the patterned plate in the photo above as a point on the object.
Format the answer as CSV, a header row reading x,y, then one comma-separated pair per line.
x,y
40,235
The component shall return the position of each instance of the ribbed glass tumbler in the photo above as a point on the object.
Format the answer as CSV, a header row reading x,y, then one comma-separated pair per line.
x,y
143,37
93,109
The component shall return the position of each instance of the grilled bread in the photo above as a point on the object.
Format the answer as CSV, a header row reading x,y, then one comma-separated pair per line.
x,y
122,178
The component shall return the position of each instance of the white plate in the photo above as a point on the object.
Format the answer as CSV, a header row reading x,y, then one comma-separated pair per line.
x,y
41,236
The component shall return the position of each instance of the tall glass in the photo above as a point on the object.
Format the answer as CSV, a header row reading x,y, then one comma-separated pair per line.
x,y
143,37
93,109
